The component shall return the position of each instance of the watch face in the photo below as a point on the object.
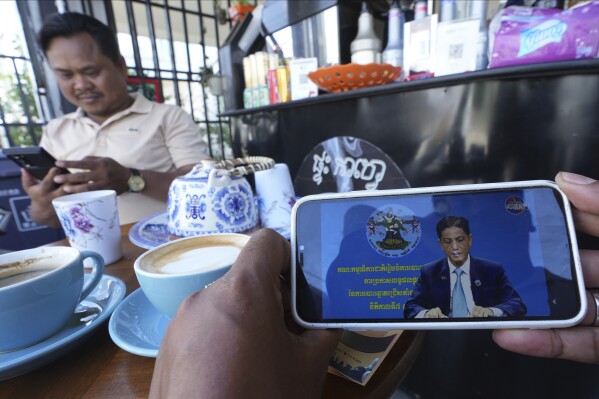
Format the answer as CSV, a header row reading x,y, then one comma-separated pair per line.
x,y
136,183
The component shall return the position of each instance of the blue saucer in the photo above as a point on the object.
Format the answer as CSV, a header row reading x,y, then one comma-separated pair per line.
x,y
89,315
136,326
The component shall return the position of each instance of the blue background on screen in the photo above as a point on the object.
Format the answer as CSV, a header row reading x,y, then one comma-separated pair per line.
x,y
525,244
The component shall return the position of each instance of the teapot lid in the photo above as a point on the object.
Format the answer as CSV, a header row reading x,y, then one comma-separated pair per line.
x,y
245,166
200,171
232,167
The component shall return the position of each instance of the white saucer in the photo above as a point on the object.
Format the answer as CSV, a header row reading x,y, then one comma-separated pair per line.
x,y
89,315
153,231
136,326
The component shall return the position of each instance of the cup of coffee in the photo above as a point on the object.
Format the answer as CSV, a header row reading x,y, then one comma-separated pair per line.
x,y
39,291
90,221
170,272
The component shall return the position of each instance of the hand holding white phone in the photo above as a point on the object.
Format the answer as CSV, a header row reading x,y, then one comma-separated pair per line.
x,y
499,255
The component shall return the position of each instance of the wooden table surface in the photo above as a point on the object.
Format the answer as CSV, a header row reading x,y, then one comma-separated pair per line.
x,y
98,368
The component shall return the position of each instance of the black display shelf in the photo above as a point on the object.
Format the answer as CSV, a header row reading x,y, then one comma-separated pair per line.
x,y
530,71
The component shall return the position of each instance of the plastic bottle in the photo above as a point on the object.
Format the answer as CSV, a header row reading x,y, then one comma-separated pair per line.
x,y
366,47
478,9
420,9
393,53
448,10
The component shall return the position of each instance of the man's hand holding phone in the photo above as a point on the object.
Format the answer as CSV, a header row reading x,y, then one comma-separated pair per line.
x,y
96,173
42,192
577,343
428,258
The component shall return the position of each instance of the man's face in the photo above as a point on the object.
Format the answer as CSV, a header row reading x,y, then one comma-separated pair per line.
x,y
456,245
88,78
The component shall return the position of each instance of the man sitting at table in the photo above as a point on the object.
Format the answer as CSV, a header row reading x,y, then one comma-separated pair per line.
x,y
114,140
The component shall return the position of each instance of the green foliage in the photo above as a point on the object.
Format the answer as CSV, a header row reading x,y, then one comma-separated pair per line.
x,y
20,136
17,101
216,140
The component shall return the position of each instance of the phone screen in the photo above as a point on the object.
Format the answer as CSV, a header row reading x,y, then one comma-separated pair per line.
x,y
381,259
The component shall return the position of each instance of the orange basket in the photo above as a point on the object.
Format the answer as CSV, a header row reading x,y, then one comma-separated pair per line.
x,y
346,77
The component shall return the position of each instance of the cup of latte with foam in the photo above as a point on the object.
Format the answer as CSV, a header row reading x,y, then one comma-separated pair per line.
x,y
39,291
170,272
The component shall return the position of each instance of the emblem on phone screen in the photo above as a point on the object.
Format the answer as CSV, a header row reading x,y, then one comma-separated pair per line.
x,y
393,230
515,205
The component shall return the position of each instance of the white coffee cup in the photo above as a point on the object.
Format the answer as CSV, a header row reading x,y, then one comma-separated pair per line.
x,y
39,290
276,196
90,221
170,272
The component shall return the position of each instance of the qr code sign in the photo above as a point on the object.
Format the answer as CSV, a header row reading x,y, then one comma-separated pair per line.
x,y
456,51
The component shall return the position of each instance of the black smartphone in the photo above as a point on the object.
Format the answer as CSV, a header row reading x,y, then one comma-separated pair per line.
x,y
35,160
391,259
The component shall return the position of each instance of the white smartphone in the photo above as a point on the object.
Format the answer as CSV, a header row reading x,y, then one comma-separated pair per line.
x,y
478,256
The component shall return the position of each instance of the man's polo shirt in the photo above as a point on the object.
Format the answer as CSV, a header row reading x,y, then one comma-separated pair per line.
x,y
146,136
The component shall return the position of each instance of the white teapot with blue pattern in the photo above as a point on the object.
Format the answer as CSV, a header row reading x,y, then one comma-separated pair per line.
x,y
214,198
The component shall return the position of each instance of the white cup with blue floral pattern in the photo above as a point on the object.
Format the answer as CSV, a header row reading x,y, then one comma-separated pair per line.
x,y
276,196
90,221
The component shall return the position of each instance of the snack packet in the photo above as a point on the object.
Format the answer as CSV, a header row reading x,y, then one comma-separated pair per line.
x,y
534,35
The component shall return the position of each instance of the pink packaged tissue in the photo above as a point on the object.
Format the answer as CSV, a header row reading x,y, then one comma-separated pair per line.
x,y
533,35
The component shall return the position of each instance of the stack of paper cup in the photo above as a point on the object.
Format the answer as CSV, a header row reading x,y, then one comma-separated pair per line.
x,y
276,196
91,222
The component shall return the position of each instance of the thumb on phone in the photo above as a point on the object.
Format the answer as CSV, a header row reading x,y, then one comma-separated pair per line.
x,y
27,180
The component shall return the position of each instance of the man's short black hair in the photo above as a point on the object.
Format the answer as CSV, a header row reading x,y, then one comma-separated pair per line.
x,y
73,23
453,221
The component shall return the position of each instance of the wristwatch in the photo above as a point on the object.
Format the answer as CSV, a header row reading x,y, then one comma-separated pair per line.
x,y
136,181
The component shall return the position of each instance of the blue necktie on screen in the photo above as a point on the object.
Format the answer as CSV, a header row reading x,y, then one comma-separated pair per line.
x,y
458,299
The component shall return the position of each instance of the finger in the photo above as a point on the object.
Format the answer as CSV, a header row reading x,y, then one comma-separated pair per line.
x,y
590,267
88,163
290,322
75,178
321,341
591,315
582,192
586,222
576,343
47,183
78,188
255,276
268,251
27,180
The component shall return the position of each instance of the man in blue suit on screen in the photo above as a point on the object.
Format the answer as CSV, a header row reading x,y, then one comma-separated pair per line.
x,y
461,285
